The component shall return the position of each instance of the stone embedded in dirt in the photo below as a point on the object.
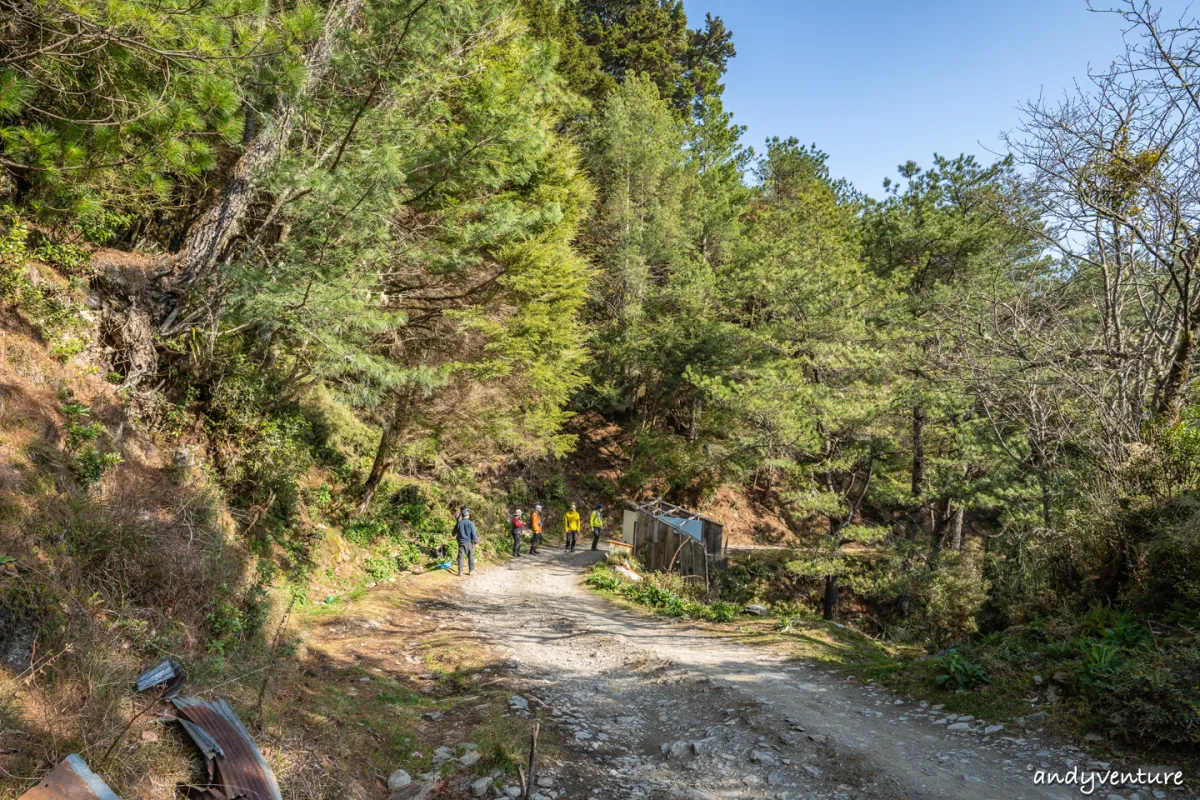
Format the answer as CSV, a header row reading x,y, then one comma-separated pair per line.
x,y
398,780
752,780
704,746
755,609
816,737
465,746
764,757
442,754
583,735
512,791
469,758
938,707
789,738
538,796
813,771
965,718
545,781
990,729
518,703
958,726
1037,715
432,716
1061,678
626,720
678,749
1093,737
480,787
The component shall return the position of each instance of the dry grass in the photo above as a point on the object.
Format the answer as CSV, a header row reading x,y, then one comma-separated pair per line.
x,y
110,578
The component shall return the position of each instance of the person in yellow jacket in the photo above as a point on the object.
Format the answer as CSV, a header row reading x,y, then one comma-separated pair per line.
x,y
571,528
596,521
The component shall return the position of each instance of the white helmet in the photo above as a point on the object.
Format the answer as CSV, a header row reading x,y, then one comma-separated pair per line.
x,y
517,513
537,507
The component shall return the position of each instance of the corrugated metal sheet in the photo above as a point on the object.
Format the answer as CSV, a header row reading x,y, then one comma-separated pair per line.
x,y
70,780
237,768
165,673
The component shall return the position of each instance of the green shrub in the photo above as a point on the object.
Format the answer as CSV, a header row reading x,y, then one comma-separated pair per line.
x,y
1098,662
380,568
722,612
70,258
88,463
958,673
603,579
1102,621
1154,697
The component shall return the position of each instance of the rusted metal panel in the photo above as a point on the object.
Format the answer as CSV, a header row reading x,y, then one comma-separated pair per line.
x,y
238,769
70,780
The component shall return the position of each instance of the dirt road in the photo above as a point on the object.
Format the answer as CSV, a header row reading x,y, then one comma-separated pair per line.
x,y
658,709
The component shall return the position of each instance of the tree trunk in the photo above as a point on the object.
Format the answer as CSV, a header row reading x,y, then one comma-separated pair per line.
x,y
918,457
212,233
956,530
830,604
1044,479
392,433
1170,394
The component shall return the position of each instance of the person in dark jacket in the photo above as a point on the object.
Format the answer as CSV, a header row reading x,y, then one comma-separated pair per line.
x,y
468,537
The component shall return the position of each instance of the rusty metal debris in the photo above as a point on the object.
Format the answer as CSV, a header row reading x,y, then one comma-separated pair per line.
x,y
166,674
70,780
236,767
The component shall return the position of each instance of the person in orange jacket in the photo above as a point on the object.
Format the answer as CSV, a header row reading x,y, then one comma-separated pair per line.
x,y
535,528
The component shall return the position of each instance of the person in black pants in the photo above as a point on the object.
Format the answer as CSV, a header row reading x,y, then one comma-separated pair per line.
x,y
518,525
597,523
571,528
468,537
535,529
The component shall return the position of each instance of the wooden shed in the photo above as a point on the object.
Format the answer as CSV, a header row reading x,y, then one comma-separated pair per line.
x,y
669,538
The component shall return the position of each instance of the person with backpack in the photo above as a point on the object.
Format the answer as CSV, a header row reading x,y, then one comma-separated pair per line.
x,y
571,528
535,528
468,537
596,521
517,525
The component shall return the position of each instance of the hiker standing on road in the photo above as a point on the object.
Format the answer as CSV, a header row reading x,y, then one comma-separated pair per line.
x,y
468,537
597,523
571,528
535,528
517,525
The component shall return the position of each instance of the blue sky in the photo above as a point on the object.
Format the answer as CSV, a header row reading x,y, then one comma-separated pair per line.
x,y
877,83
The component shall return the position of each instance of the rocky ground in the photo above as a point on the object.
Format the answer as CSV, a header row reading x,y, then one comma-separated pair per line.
x,y
653,709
